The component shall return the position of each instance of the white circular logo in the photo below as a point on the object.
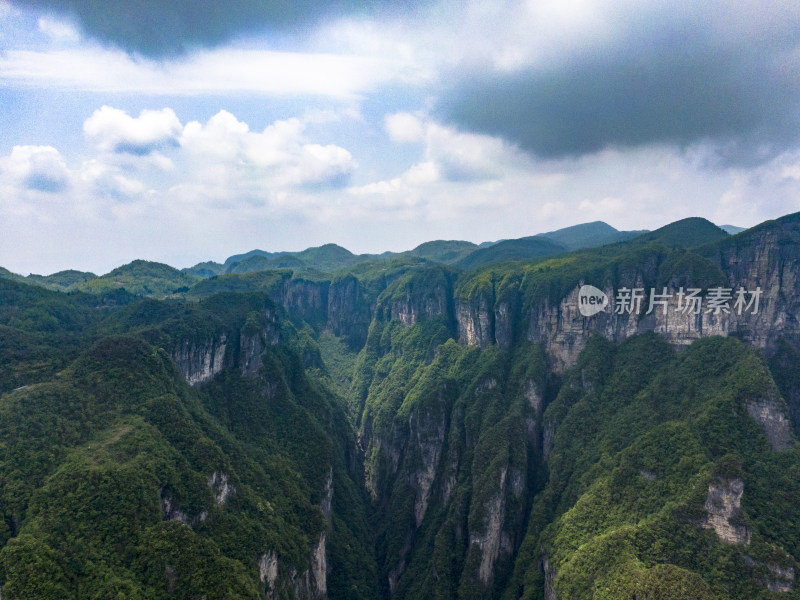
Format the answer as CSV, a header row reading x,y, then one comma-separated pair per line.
x,y
591,300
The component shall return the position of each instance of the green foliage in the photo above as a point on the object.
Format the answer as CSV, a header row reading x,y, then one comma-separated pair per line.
x,y
685,233
107,469
640,435
510,250
142,278
447,252
589,235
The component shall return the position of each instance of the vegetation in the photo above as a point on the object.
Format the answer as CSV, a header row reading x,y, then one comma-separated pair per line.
x,y
332,402
589,235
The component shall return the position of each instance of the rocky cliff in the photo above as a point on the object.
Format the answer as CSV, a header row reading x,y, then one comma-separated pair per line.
x,y
766,259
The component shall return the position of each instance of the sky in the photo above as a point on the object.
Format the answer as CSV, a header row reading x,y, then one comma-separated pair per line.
x,y
187,131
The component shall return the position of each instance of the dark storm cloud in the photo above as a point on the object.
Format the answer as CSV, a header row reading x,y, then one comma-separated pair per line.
x,y
674,84
156,28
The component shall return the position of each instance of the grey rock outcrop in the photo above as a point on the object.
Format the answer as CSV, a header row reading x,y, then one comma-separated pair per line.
x,y
770,415
199,362
723,506
218,482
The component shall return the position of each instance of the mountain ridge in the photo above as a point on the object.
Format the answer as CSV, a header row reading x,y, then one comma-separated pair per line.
x,y
406,429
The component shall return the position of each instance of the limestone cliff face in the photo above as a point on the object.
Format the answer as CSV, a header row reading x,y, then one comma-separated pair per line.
x,y
768,257
282,580
770,414
306,299
348,311
198,362
253,340
222,489
765,259
475,320
490,536
550,575
724,505
410,308
484,320
427,433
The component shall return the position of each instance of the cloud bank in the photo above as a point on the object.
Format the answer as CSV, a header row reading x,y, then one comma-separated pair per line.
x,y
641,73
160,29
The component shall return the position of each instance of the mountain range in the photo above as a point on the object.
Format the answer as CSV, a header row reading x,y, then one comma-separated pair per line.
x,y
447,422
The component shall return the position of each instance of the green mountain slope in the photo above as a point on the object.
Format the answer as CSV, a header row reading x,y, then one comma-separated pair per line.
x,y
444,251
150,488
62,281
401,428
205,269
508,250
646,446
143,278
589,235
685,233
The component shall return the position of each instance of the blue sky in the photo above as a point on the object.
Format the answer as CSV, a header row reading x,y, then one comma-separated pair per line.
x,y
190,131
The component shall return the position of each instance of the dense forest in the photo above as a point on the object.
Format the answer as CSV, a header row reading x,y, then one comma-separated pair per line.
x,y
442,423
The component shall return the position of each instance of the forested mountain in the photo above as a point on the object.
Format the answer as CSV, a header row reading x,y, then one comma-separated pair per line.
x,y
444,423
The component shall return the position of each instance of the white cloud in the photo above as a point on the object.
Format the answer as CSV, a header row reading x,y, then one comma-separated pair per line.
x,y
458,156
58,31
404,127
113,130
39,168
278,157
208,72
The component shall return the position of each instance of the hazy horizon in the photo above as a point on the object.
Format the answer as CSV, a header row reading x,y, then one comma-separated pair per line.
x,y
178,135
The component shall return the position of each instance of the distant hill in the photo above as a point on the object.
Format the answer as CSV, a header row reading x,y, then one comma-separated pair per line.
x,y
257,263
63,280
6,274
444,251
142,277
732,229
685,233
589,235
327,258
205,269
521,249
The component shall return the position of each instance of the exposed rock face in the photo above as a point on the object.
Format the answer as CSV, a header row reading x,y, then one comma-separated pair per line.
x,y
549,580
427,433
306,299
504,312
221,488
475,321
766,259
410,309
778,579
199,362
534,419
172,513
724,503
493,539
782,580
770,415
312,584
484,320
253,341
349,314
268,570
